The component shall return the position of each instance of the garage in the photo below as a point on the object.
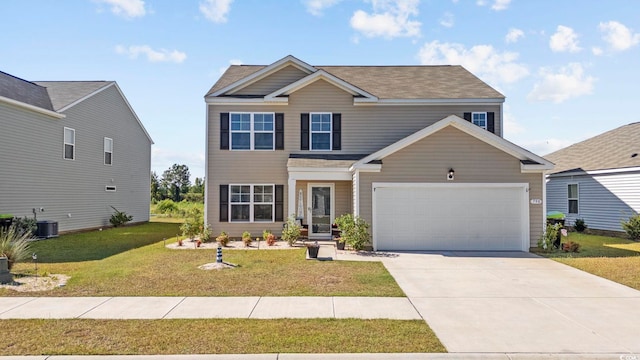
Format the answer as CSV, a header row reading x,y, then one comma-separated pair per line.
x,y
443,216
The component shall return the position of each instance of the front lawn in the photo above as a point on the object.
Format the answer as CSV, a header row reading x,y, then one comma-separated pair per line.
x,y
215,336
133,261
608,257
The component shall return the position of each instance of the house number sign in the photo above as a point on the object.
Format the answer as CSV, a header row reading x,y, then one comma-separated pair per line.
x,y
536,201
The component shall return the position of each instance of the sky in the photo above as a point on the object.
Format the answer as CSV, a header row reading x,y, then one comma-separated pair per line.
x,y
569,69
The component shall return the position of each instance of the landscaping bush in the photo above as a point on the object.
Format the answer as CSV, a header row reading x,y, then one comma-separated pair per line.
x,y
166,206
580,225
223,239
571,247
291,232
205,233
246,238
119,218
269,237
549,237
354,231
15,245
193,223
26,224
632,227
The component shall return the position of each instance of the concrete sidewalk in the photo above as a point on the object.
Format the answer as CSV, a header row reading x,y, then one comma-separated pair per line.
x,y
397,308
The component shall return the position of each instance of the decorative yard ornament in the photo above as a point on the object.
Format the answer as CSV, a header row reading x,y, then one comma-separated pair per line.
x,y
219,255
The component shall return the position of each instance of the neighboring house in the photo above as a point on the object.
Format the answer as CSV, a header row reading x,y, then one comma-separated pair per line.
x,y
598,179
73,149
376,141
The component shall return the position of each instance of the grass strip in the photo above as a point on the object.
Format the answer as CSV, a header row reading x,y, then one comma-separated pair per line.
x,y
215,336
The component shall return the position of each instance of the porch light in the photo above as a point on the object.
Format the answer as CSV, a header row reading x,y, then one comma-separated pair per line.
x,y
450,174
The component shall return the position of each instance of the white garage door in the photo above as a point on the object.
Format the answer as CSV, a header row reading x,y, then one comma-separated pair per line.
x,y
450,217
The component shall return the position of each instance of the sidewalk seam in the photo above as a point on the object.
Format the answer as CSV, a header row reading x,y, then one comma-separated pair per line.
x,y
174,307
254,307
17,306
93,308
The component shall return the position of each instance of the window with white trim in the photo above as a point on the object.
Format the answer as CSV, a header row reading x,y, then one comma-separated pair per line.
x,y
572,198
252,131
251,203
108,151
69,150
320,131
480,119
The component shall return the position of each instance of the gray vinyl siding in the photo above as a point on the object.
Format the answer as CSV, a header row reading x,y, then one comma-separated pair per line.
x,y
365,129
273,82
35,175
604,200
474,161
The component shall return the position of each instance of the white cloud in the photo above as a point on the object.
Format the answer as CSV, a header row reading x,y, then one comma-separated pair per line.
x,y
316,7
497,5
389,19
161,55
513,35
126,8
618,36
447,20
596,51
565,39
482,60
215,10
568,82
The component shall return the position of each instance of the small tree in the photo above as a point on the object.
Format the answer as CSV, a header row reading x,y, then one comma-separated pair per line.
x,y
632,227
193,223
291,232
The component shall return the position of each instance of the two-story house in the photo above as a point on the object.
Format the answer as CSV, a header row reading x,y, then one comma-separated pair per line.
x,y
69,150
417,151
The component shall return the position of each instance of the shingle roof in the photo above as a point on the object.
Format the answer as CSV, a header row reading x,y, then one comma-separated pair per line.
x,y
611,150
393,82
63,93
24,91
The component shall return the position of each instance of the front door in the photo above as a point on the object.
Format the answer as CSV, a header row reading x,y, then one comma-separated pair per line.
x,y
320,210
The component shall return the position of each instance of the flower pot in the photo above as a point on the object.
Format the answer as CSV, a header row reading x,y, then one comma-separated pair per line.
x,y
313,251
339,245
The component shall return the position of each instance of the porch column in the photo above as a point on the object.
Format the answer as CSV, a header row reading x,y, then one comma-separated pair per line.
x,y
291,201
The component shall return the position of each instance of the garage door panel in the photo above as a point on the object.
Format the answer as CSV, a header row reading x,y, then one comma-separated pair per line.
x,y
449,218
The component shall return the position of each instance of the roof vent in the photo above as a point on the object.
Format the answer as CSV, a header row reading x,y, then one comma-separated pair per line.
x,y
634,155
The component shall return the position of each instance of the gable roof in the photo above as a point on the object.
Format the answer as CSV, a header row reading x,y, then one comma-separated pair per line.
x,y
378,82
65,93
613,149
528,160
24,91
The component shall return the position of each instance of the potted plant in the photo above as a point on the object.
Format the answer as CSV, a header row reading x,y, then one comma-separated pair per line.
x,y
223,239
312,250
354,231
246,238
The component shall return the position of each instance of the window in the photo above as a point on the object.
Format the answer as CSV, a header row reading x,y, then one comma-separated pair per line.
x,y
572,196
69,144
320,131
251,203
480,119
108,151
252,131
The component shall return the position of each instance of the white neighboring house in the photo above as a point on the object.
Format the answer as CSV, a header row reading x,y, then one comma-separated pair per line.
x,y
598,179
70,150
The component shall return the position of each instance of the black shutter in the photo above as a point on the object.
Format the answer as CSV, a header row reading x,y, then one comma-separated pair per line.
x,y
467,116
224,131
304,131
491,122
279,203
279,131
224,203
337,131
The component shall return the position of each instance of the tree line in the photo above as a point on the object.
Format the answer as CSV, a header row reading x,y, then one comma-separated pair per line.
x,y
176,185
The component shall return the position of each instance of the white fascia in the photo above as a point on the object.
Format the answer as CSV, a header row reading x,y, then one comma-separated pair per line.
x,y
320,75
244,101
471,101
596,172
534,168
33,108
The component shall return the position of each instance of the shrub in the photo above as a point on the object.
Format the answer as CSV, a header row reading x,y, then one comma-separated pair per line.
x,y
579,225
167,207
549,237
571,247
15,245
354,231
632,227
193,223
291,231
223,239
269,237
205,233
26,224
119,218
246,238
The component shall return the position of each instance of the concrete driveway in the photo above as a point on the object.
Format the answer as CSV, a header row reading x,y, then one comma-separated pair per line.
x,y
517,302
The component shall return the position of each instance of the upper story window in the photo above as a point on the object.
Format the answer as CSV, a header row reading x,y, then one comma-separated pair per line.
x,y
252,131
69,151
321,131
108,151
480,119
572,198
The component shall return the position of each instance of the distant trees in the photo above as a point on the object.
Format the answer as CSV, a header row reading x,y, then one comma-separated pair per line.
x,y
175,185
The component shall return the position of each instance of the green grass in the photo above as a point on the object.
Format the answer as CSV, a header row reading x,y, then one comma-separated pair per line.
x,y
609,257
217,336
133,261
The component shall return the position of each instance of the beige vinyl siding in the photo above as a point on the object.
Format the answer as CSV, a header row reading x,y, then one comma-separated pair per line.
x,y
273,82
35,174
474,161
342,190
